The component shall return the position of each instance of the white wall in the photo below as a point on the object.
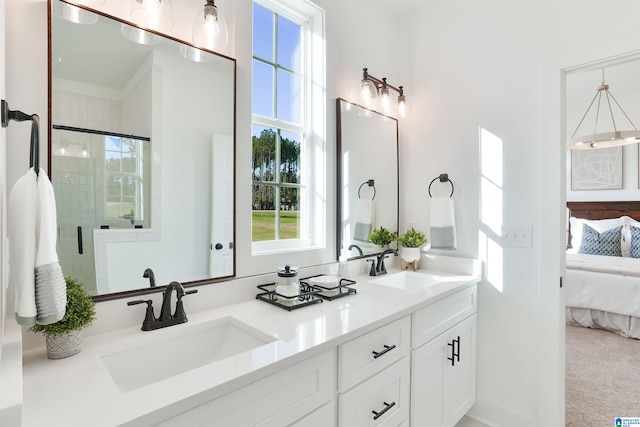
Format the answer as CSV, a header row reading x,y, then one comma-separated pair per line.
x,y
498,65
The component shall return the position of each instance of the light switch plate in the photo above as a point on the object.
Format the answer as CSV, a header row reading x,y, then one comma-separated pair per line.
x,y
517,236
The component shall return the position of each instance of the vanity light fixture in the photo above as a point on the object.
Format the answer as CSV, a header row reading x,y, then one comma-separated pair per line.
x,y
210,29
73,13
597,139
374,90
152,14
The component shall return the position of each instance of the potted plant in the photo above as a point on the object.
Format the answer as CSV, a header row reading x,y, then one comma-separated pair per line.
x,y
382,237
410,243
64,337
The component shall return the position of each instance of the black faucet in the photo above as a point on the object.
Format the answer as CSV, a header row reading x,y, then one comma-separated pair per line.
x,y
377,265
356,247
150,322
148,274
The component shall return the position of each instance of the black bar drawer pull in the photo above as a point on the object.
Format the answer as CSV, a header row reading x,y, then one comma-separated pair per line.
x,y
80,250
387,349
387,406
455,355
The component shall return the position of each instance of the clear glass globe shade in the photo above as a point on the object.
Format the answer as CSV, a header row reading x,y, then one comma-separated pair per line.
x,y
210,31
73,13
138,35
368,93
153,14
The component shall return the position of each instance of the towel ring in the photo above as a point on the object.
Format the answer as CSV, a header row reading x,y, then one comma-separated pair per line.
x,y
370,183
443,178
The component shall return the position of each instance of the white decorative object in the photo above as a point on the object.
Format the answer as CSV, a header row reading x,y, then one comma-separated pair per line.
x,y
410,254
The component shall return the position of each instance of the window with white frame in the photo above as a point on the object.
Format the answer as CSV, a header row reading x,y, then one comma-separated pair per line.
x,y
288,73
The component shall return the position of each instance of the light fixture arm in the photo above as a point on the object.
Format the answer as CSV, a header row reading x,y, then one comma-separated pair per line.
x,y
380,83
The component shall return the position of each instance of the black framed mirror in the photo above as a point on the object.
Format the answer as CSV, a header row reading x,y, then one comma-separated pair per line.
x,y
367,166
141,157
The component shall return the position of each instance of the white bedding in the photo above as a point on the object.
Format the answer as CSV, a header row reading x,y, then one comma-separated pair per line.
x,y
610,284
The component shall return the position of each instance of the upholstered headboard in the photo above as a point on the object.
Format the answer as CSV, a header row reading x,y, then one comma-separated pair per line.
x,y
604,210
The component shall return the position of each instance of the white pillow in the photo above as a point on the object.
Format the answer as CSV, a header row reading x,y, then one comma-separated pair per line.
x,y
600,225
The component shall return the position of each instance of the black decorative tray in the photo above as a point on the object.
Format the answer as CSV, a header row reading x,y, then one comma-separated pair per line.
x,y
330,293
308,295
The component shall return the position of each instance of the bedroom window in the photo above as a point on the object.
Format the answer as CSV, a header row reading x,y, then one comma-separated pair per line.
x,y
285,156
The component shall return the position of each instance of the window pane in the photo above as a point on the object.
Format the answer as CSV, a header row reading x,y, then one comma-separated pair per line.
x,y
290,213
263,32
112,143
114,185
288,97
264,153
262,89
263,213
129,162
112,161
289,52
290,157
128,186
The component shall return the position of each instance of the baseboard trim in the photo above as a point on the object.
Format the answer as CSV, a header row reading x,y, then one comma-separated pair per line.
x,y
493,415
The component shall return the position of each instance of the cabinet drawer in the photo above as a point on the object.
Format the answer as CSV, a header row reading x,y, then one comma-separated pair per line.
x,y
368,354
436,318
386,394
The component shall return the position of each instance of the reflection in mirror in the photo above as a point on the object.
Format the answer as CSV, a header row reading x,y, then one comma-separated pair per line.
x,y
367,177
142,158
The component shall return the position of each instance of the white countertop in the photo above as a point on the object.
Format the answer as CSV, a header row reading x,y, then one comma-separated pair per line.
x,y
78,391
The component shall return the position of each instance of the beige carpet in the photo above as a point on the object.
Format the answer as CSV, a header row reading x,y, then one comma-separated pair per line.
x,y
602,377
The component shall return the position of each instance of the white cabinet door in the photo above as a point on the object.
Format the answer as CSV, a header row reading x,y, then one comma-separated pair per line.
x,y
460,384
443,388
278,400
324,417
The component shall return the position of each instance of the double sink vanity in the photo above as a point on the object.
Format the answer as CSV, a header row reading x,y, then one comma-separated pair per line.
x,y
400,351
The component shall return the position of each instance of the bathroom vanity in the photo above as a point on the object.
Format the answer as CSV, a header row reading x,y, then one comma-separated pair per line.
x,y
401,350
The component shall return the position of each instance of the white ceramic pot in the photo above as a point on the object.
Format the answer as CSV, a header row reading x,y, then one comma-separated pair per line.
x,y
410,254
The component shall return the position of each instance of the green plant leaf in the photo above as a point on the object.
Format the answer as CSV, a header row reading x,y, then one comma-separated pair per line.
x,y
80,312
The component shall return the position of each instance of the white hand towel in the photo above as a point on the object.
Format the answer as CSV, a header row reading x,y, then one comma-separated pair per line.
x,y
21,223
51,289
364,220
34,271
443,224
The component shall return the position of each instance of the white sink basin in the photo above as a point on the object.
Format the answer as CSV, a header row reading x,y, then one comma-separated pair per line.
x,y
405,279
417,280
177,349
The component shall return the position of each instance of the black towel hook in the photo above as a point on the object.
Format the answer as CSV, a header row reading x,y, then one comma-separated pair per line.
x,y
370,183
6,114
443,178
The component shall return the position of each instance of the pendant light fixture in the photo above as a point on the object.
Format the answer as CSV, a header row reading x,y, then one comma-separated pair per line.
x,y
374,91
210,29
615,138
152,14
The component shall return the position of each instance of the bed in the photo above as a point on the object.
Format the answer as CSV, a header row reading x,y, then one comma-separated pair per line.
x,y
602,280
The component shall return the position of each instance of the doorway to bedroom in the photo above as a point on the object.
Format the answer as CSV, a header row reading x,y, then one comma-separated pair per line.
x,y
602,278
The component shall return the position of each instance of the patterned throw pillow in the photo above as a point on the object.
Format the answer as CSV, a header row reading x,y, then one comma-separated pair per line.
x,y
635,242
605,243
